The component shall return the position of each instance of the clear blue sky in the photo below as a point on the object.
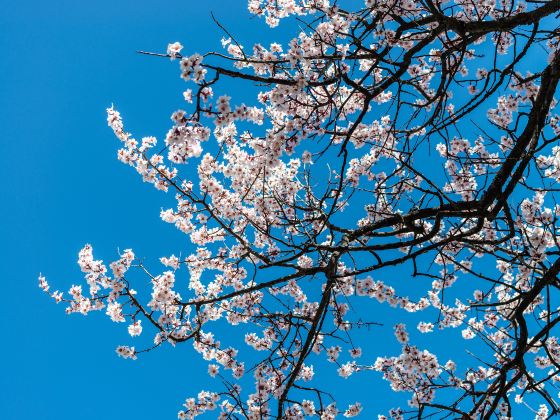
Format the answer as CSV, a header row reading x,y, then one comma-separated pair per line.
x,y
63,63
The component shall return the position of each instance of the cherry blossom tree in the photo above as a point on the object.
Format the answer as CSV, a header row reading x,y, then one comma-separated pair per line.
x,y
388,139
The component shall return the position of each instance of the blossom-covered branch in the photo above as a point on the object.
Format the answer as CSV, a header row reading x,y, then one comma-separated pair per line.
x,y
398,139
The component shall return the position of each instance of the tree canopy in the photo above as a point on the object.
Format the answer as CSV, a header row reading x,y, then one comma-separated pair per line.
x,y
389,143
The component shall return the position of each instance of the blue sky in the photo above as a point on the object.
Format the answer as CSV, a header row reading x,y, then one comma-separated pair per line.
x,y
63,63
